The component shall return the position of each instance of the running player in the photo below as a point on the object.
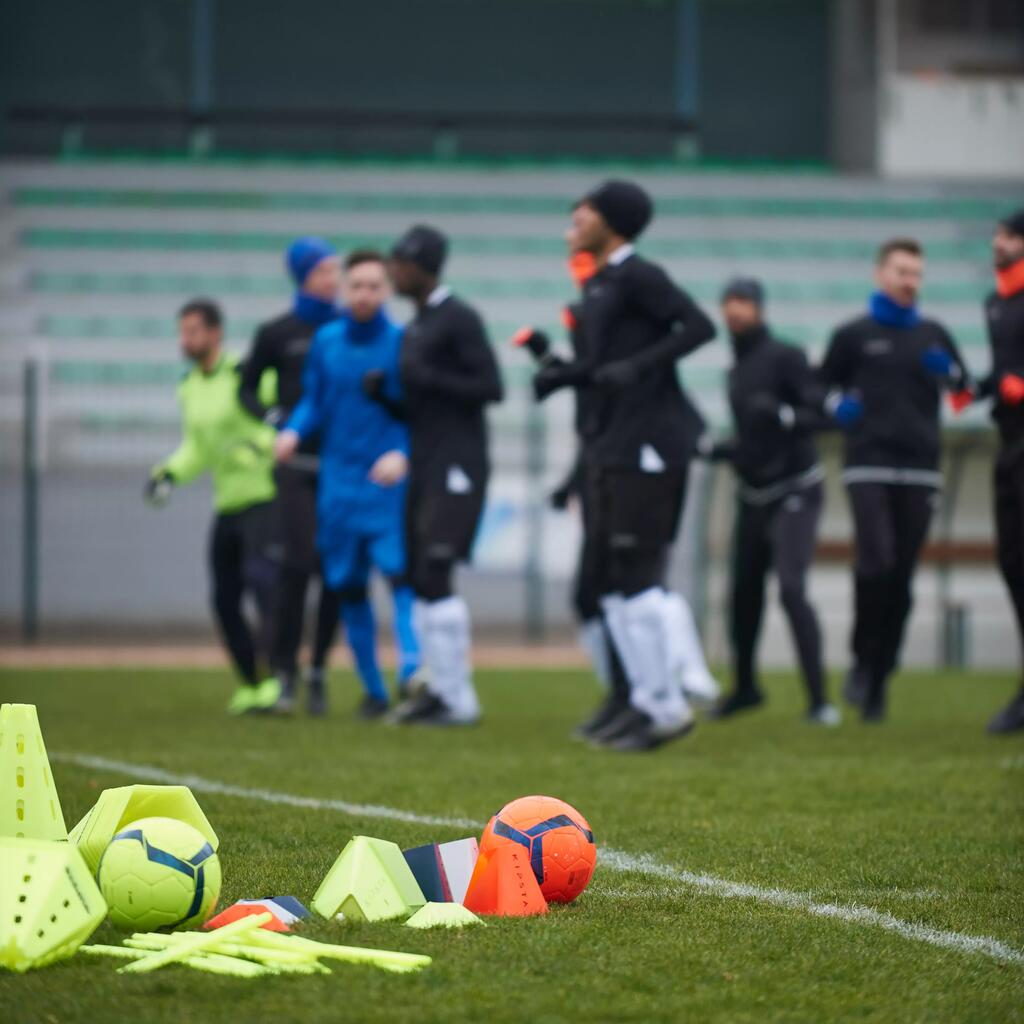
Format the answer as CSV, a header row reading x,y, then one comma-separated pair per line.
x,y
221,438
363,465
775,403
897,363
641,434
281,345
448,374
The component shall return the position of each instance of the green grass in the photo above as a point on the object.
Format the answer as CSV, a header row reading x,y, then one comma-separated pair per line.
x,y
921,818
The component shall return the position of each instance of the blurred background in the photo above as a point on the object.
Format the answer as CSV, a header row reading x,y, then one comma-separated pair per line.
x,y
151,150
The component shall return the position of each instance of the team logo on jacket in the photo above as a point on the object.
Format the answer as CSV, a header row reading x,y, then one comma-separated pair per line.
x,y
877,347
298,346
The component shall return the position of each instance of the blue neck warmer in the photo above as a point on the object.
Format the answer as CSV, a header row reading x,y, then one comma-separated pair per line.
x,y
892,314
313,310
363,331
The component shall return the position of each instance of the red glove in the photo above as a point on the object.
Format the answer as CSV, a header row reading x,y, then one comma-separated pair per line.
x,y
960,400
1011,389
569,319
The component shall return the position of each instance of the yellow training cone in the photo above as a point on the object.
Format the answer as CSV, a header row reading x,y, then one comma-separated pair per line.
x,y
29,806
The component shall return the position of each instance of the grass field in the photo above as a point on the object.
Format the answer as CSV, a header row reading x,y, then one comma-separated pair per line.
x,y
732,864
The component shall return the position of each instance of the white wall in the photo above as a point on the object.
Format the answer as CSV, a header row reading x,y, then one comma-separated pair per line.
x,y
952,127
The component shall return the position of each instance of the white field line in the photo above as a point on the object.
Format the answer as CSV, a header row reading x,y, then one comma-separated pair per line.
x,y
616,860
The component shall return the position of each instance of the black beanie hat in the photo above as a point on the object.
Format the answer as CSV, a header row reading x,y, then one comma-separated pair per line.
x,y
747,288
423,245
625,206
1014,223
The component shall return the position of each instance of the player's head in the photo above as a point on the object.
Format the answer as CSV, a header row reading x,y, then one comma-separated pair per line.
x,y
315,268
1008,241
899,269
417,260
742,304
200,329
613,213
366,287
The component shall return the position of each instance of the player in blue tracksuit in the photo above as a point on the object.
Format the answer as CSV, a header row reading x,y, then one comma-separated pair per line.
x,y
364,448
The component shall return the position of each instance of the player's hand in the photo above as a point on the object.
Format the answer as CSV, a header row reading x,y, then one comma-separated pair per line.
x,y
286,444
1011,389
559,498
274,416
549,379
537,343
615,376
157,491
960,400
847,410
373,383
764,411
937,361
390,469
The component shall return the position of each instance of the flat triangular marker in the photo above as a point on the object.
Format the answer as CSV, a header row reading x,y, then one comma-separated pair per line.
x,y
29,805
503,884
370,881
49,902
115,808
442,915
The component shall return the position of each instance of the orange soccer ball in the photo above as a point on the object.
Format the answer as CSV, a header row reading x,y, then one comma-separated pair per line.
x,y
558,838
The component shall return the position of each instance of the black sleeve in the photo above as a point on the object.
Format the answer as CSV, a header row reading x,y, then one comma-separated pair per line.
x,y
838,365
259,359
477,380
803,391
689,327
960,378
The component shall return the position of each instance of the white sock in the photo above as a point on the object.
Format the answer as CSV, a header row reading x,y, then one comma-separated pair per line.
x,y
657,693
594,641
445,636
686,654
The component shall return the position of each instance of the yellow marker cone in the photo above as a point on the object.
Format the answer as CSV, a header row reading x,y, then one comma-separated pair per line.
x,y
117,807
49,903
29,806
442,915
370,881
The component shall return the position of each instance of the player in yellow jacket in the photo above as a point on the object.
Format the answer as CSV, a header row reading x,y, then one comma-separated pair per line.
x,y
220,437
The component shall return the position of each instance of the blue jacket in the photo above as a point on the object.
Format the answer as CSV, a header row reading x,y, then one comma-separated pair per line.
x,y
354,429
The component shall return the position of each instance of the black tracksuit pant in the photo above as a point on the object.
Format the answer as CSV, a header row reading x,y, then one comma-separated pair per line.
x,y
778,536
242,561
1009,514
891,523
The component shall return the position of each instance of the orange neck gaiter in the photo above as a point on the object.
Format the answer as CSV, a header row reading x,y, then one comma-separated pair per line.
x,y
1010,280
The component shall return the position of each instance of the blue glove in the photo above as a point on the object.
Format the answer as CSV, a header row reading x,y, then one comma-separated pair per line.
x,y
937,361
848,411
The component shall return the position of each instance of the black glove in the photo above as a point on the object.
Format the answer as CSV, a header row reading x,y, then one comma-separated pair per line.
x,y
559,498
157,491
622,373
373,383
537,343
549,379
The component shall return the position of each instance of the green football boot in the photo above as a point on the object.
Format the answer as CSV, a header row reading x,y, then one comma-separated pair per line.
x,y
241,700
267,695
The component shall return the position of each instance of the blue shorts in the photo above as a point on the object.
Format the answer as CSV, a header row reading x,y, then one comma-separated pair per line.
x,y
350,557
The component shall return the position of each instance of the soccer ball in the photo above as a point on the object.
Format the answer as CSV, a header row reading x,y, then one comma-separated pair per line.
x,y
558,838
158,874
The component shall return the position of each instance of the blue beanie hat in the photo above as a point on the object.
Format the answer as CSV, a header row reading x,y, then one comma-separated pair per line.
x,y
304,254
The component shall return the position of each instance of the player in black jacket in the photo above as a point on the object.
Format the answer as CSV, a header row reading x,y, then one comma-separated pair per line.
x,y
1004,312
897,363
776,403
449,374
640,432
281,344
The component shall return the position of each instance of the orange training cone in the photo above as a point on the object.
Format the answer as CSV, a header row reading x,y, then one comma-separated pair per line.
x,y
503,884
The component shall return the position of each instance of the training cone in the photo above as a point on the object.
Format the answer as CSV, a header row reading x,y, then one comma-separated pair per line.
x,y
442,915
503,884
443,870
49,903
370,881
118,807
29,806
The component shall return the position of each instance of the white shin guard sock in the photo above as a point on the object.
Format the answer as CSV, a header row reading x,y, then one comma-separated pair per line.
x,y
594,642
657,693
445,638
686,654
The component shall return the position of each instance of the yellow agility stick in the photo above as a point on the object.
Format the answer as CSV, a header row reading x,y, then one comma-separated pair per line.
x,y
195,943
386,959
212,963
